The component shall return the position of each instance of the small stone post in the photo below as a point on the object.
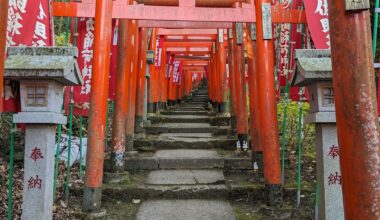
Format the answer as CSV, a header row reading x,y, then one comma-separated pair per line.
x,y
313,70
42,73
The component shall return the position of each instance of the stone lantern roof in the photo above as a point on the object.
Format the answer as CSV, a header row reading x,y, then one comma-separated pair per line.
x,y
311,66
43,63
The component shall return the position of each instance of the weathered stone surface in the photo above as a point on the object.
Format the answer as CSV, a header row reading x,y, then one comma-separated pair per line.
x,y
185,135
185,209
39,118
184,143
185,177
54,63
153,163
184,128
321,117
179,119
181,112
330,203
185,154
38,172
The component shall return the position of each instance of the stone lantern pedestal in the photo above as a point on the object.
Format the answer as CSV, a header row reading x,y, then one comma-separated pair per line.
x,y
42,72
314,70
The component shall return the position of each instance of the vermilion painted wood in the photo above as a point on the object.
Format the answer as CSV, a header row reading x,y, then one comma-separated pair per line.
x,y
141,69
171,44
198,3
184,24
165,13
153,85
231,67
121,94
356,111
267,103
240,87
253,95
99,94
188,32
222,72
134,53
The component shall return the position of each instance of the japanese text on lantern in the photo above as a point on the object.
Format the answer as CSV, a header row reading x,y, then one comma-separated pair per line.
x,y
34,183
15,11
334,178
36,154
87,55
333,152
322,9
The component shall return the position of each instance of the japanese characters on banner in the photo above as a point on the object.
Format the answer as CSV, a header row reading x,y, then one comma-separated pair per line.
x,y
176,72
290,39
195,76
170,66
158,53
29,24
85,44
318,22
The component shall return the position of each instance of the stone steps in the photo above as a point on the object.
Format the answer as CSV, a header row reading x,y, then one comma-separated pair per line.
x,y
186,209
196,101
186,159
179,119
185,128
213,121
184,112
181,170
155,143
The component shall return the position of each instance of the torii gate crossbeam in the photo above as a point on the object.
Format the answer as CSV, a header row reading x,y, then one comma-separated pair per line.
x,y
169,13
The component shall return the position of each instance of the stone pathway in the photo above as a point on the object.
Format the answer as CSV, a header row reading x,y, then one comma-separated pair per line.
x,y
185,164
185,210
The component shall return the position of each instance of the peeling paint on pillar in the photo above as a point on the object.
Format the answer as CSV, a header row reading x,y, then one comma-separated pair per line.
x,y
121,97
98,107
356,110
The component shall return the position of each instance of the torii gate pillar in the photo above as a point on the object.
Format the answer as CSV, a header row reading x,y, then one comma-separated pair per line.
x,y
268,130
356,109
98,108
222,71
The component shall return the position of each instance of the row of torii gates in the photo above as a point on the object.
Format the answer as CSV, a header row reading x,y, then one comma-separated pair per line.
x,y
203,24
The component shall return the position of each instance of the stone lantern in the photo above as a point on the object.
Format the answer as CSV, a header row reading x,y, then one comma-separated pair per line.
x,y
313,70
42,72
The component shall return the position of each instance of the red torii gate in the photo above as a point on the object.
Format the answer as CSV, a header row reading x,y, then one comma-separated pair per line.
x,y
357,150
186,15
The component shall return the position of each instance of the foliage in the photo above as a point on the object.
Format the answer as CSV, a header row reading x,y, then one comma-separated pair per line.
x,y
60,40
308,139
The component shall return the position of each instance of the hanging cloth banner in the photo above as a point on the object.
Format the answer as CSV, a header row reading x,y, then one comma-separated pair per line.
x,y
290,39
170,65
176,72
318,22
29,24
158,53
85,44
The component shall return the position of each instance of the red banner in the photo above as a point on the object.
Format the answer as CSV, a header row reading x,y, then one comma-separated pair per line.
x,y
85,44
318,22
176,72
158,53
29,24
290,39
